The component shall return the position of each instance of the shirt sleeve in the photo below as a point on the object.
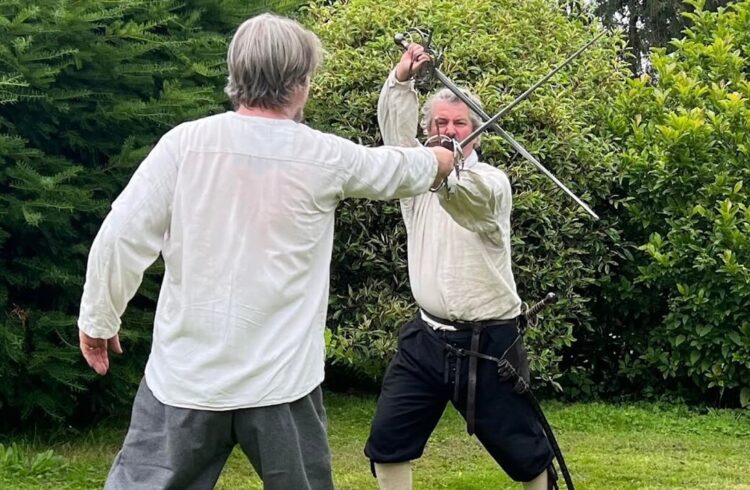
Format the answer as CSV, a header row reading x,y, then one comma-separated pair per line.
x,y
398,112
129,241
398,117
478,201
388,172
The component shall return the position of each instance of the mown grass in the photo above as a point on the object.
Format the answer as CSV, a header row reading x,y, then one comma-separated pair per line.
x,y
641,446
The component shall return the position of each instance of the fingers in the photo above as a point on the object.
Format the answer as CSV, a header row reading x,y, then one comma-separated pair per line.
x,y
445,161
95,351
96,358
412,60
418,57
114,344
417,54
420,60
415,49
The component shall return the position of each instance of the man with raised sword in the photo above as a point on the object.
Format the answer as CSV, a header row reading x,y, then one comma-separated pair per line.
x,y
461,278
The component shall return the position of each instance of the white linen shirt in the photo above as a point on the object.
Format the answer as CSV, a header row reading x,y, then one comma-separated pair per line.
x,y
242,210
458,242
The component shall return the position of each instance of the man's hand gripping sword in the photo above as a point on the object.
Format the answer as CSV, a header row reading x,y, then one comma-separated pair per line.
x,y
458,156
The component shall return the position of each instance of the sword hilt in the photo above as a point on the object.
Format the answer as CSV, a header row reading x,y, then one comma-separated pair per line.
x,y
404,39
458,155
531,312
400,39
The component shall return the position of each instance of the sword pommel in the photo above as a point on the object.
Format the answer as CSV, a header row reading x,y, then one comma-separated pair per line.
x,y
400,40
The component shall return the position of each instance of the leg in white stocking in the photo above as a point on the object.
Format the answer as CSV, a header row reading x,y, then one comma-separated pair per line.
x,y
538,483
394,476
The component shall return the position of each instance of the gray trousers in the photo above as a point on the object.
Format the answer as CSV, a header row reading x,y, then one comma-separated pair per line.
x,y
178,448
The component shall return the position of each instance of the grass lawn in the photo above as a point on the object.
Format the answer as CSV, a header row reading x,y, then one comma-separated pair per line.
x,y
643,446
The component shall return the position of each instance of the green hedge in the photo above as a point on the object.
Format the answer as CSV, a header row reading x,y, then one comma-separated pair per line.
x,y
498,48
686,130
656,290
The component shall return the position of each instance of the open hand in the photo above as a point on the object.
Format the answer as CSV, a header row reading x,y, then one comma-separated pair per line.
x,y
95,351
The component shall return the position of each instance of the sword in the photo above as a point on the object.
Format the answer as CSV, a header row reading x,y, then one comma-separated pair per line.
x,y
528,92
490,123
530,315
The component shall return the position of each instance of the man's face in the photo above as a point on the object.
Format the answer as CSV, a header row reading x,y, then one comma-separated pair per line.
x,y
451,119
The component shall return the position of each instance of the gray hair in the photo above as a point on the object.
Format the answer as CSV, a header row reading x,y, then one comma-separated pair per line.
x,y
445,95
268,59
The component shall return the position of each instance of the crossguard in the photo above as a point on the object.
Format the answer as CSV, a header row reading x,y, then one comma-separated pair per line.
x,y
458,155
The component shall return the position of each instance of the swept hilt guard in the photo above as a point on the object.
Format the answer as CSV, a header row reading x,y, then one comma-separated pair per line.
x,y
403,40
421,36
458,155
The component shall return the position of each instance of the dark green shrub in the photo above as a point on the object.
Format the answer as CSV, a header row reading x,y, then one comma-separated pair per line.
x,y
85,89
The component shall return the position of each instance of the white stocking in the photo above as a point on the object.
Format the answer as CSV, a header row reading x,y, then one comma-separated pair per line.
x,y
394,476
538,483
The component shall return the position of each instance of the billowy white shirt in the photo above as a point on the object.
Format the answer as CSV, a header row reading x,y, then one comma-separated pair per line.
x,y
458,240
242,210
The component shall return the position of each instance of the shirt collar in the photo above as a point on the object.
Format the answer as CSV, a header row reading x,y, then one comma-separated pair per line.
x,y
471,160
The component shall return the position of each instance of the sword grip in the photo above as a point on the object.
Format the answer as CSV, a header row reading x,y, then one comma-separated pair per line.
x,y
537,307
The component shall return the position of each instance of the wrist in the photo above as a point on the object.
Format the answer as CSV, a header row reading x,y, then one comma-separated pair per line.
x,y
402,75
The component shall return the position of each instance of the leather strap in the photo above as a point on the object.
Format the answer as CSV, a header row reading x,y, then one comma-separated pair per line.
x,y
468,325
471,396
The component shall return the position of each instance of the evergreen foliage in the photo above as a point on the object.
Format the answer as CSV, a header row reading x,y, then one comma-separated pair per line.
x,y
686,130
656,290
86,88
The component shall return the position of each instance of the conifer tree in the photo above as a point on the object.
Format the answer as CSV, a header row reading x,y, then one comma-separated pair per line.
x,y
86,89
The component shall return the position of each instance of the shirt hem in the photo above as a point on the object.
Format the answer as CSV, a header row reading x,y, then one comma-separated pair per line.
x,y
222,408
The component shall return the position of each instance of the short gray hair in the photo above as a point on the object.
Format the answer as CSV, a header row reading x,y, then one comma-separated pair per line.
x,y
269,57
445,95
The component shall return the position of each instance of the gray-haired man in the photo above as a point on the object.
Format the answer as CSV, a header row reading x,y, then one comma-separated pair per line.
x,y
241,207
461,278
